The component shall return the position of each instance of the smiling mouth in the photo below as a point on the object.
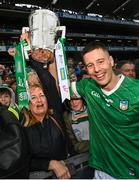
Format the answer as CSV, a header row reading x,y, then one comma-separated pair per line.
x,y
100,77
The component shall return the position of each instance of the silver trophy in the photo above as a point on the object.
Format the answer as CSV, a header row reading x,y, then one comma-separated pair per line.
x,y
43,27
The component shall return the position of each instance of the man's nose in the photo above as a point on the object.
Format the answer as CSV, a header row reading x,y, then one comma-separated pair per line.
x,y
96,68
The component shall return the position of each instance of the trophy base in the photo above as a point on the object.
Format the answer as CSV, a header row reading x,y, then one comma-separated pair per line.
x,y
43,55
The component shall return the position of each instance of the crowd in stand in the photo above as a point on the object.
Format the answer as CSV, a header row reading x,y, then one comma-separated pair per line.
x,y
52,131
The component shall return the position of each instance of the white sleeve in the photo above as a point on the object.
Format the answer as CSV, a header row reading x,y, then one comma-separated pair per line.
x,y
74,89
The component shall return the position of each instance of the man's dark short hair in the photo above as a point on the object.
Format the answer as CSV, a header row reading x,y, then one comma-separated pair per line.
x,y
92,46
122,62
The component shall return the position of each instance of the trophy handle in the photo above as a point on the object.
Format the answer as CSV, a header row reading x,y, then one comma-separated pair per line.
x,y
26,44
63,29
25,29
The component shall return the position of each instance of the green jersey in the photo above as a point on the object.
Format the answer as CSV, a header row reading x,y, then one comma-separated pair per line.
x,y
114,126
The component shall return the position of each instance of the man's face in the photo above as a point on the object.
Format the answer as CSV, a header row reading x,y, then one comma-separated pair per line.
x,y
128,70
5,99
99,66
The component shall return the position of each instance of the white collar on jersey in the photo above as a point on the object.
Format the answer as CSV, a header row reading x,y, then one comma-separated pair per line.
x,y
116,87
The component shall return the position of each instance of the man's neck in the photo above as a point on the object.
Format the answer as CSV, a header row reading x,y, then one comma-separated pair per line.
x,y
112,84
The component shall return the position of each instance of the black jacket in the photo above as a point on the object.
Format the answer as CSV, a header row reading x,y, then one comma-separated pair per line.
x,y
47,142
14,157
51,92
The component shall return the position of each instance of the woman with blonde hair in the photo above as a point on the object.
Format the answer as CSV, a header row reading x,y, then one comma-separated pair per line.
x,y
44,127
45,134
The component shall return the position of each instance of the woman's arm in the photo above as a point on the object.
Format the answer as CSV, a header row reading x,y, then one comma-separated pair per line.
x,y
39,164
53,71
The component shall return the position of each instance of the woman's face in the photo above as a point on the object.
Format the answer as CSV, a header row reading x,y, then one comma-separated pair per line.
x,y
38,102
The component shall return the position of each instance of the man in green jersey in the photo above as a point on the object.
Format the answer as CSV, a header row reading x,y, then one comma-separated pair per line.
x,y
113,108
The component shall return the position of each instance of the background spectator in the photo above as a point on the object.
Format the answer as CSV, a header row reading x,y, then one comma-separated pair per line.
x,y
7,96
126,67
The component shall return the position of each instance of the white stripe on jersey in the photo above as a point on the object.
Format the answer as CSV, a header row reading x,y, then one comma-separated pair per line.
x,y
74,90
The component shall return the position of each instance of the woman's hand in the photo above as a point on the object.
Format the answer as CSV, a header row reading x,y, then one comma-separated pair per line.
x,y
59,169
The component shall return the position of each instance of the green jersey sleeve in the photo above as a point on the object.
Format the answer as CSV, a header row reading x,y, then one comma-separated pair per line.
x,y
78,87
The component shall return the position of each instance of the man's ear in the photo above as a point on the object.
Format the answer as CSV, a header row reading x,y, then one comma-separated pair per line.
x,y
112,61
